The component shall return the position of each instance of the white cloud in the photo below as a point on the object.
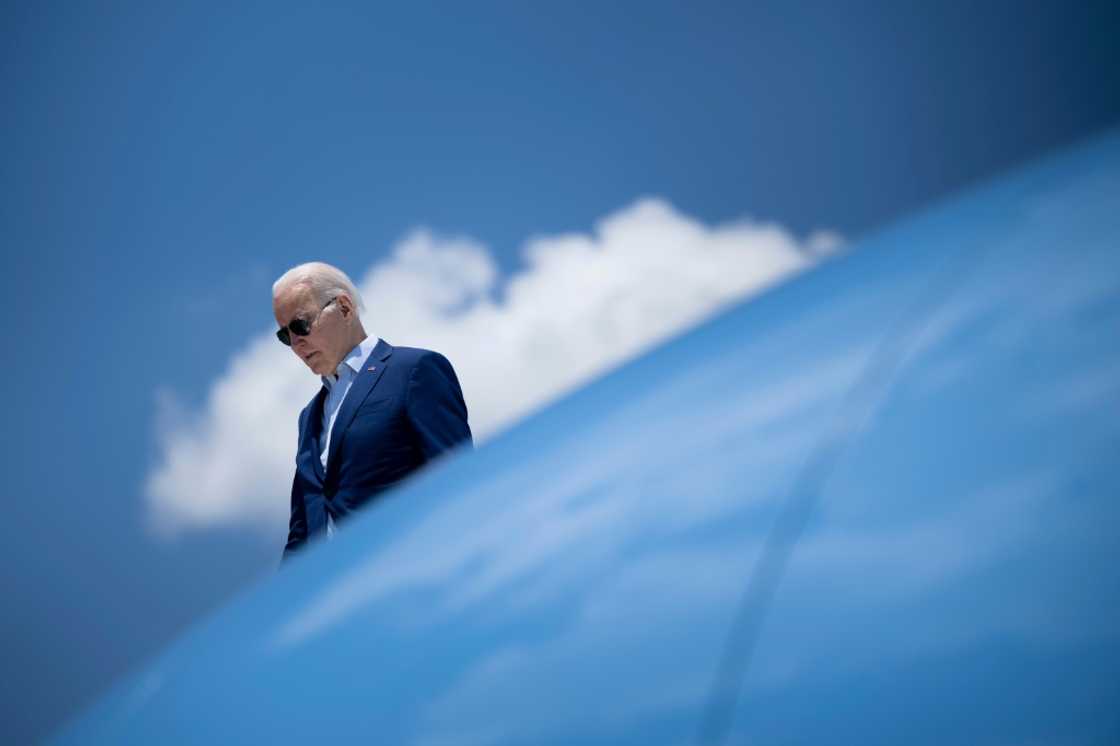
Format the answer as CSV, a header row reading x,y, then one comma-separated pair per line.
x,y
583,304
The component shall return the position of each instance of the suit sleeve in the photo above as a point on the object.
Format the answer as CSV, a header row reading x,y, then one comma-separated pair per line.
x,y
297,521
435,406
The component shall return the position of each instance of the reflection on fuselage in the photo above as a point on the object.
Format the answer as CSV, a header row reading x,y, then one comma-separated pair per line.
x,y
576,579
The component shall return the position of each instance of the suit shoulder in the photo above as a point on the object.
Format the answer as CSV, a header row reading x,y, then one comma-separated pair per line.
x,y
412,356
307,407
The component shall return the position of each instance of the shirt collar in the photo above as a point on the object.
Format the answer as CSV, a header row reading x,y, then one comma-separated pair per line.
x,y
353,360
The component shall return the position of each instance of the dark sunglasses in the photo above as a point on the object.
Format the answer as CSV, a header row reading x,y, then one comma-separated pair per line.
x,y
299,327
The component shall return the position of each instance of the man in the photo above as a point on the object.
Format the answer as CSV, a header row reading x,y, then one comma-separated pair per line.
x,y
382,413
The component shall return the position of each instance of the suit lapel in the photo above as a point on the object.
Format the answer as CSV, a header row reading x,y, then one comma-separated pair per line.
x,y
315,432
368,376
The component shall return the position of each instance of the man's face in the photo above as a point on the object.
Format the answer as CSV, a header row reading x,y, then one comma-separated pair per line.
x,y
323,349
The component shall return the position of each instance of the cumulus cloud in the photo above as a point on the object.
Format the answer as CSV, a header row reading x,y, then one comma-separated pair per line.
x,y
583,303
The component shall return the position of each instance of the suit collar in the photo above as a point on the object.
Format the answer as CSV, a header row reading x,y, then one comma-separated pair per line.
x,y
354,359
381,351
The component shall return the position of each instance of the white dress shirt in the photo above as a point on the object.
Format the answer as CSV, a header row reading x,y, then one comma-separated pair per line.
x,y
338,386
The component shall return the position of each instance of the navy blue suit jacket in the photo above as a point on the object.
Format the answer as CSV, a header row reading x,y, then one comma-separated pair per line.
x,y
404,408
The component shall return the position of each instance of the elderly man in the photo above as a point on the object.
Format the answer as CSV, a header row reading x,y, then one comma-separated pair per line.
x,y
382,413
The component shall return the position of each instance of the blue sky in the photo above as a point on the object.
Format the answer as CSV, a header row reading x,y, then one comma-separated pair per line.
x,y
164,164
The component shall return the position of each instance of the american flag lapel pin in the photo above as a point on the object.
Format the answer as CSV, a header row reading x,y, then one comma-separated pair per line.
x,y
372,367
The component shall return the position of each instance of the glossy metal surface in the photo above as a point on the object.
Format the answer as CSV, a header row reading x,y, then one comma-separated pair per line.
x,y
877,505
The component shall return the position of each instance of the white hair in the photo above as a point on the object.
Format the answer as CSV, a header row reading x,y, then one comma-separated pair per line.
x,y
325,281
